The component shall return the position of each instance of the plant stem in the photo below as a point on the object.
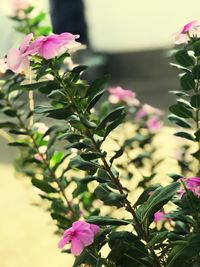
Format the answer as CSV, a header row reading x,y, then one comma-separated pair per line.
x,y
138,227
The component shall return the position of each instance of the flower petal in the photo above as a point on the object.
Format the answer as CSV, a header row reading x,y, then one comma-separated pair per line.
x,y
13,59
25,43
77,246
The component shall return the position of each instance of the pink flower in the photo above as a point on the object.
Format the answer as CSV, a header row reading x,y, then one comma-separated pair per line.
x,y
41,155
159,216
80,235
18,5
154,124
51,46
192,184
150,110
183,36
17,58
141,113
118,94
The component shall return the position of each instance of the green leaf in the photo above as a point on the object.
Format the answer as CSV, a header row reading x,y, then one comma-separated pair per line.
x,y
44,186
112,116
81,164
36,20
175,176
8,124
20,144
43,30
195,101
196,72
158,237
44,87
109,197
97,86
156,201
76,72
178,93
184,251
187,82
145,195
86,258
106,220
94,100
196,154
115,124
196,46
127,250
9,111
185,135
56,113
87,123
180,111
71,137
180,122
184,59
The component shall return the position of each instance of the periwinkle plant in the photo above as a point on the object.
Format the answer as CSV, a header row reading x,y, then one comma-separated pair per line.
x,y
71,105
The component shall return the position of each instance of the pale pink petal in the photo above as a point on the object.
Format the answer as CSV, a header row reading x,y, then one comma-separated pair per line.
x,y
48,50
95,228
189,26
25,43
181,38
86,237
77,246
24,64
63,241
159,216
13,59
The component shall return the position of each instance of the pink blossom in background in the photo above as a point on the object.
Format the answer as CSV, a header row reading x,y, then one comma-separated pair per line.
x,y
41,127
118,94
80,235
192,184
150,110
154,124
17,58
17,5
51,46
190,29
159,216
141,113
41,155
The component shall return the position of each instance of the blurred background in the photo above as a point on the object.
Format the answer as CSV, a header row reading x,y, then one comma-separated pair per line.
x,y
130,40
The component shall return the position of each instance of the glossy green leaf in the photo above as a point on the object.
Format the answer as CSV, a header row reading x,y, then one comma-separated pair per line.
x,y
196,72
180,122
185,135
44,186
183,58
196,46
187,82
195,101
81,164
181,111
106,220
184,251
156,201
112,116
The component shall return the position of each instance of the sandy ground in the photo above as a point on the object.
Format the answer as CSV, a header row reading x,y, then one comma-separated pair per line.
x,y
26,231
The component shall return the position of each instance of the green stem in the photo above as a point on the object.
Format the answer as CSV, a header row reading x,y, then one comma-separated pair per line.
x,y
138,227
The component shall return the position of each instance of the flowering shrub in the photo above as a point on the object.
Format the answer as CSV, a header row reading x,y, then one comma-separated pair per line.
x,y
68,163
